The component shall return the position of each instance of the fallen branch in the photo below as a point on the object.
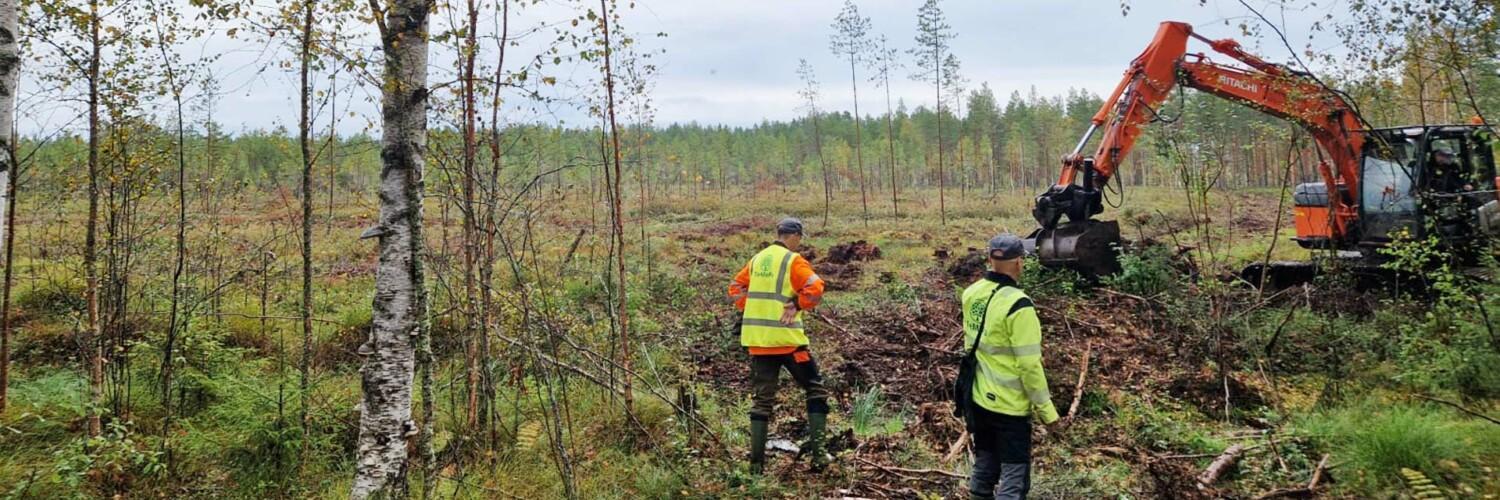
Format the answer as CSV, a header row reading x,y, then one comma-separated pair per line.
x,y
958,446
829,322
1301,491
1318,473
902,471
1276,450
1220,465
1123,294
1088,348
1459,408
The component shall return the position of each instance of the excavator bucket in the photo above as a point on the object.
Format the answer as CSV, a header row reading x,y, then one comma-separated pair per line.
x,y
1090,247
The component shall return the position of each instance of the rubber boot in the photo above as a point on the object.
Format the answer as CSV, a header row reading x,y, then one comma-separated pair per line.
x,y
758,429
816,423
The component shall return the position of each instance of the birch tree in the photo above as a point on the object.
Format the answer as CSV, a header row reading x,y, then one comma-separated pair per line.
x,y
399,334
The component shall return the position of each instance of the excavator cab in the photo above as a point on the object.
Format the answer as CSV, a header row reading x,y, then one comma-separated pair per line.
x,y
1421,181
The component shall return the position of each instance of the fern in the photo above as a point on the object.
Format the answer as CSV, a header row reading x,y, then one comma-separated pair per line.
x,y
529,435
1420,485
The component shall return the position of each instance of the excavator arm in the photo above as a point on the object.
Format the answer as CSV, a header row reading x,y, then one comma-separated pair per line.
x,y
1268,87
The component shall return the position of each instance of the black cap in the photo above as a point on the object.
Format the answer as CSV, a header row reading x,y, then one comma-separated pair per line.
x,y
789,225
1006,246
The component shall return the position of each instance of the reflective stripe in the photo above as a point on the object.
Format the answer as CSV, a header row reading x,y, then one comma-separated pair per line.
x,y
771,323
786,263
815,300
1003,380
1039,397
811,279
1012,351
735,297
768,296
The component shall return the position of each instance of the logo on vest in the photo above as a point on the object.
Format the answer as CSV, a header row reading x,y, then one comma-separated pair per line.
x,y
763,267
976,311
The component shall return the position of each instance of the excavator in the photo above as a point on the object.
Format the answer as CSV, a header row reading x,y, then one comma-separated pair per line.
x,y
1378,184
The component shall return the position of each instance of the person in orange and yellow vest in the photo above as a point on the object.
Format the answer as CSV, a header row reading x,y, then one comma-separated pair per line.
x,y
773,290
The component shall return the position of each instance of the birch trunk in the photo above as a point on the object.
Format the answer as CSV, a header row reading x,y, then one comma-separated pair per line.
x,y
400,303
10,72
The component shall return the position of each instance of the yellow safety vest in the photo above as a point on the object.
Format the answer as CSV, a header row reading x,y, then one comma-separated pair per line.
x,y
770,289
1010,379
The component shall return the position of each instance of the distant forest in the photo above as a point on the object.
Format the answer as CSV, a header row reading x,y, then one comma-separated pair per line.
x,y
994,144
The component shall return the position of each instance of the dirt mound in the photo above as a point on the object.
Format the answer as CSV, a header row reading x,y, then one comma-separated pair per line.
x,y
839,277
730,227
845,253
967,268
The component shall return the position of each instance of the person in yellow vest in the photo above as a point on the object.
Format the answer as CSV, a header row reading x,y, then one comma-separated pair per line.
x,y
1009,386
773,289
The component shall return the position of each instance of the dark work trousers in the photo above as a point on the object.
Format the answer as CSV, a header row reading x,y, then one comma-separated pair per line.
x,y
1002,454
765,379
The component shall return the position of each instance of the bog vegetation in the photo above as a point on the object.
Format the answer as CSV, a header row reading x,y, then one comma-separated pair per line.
x,y
188,311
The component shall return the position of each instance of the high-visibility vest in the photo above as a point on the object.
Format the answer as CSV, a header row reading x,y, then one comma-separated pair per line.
x,y
1009,378
770,289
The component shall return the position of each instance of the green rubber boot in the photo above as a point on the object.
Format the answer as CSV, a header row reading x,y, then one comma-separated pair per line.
x,y
758,429
816,423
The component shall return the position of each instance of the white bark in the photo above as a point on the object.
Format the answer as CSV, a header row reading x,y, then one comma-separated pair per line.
x,y
10,73
400,302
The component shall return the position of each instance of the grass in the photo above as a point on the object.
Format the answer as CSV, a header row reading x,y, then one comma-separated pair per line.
x,y
230,443
1377,438
868,416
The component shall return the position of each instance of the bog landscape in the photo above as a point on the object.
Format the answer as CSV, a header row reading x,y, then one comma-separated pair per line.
x,y
488,248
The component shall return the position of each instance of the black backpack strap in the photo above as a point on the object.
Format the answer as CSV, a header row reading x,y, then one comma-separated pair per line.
x,y
983,317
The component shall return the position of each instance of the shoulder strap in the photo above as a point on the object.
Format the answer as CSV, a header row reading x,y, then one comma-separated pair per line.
x,y
983,317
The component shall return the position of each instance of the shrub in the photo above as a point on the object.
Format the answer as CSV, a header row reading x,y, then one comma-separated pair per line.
x,y
1147,271
1041,282
109,464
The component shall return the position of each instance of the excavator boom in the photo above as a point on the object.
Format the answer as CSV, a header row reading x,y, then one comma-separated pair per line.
x,y
1089,245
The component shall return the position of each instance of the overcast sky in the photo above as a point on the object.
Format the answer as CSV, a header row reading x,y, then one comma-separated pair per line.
x,y
734,62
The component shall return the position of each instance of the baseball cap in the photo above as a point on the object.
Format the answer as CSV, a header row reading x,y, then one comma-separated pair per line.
x,y
789,225
1006,246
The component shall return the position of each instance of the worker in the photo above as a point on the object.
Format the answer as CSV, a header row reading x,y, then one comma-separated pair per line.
x,y
1451,175
1009,386
772,290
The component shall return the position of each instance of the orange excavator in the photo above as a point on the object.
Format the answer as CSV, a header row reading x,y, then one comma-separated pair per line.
x,y
1377,183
